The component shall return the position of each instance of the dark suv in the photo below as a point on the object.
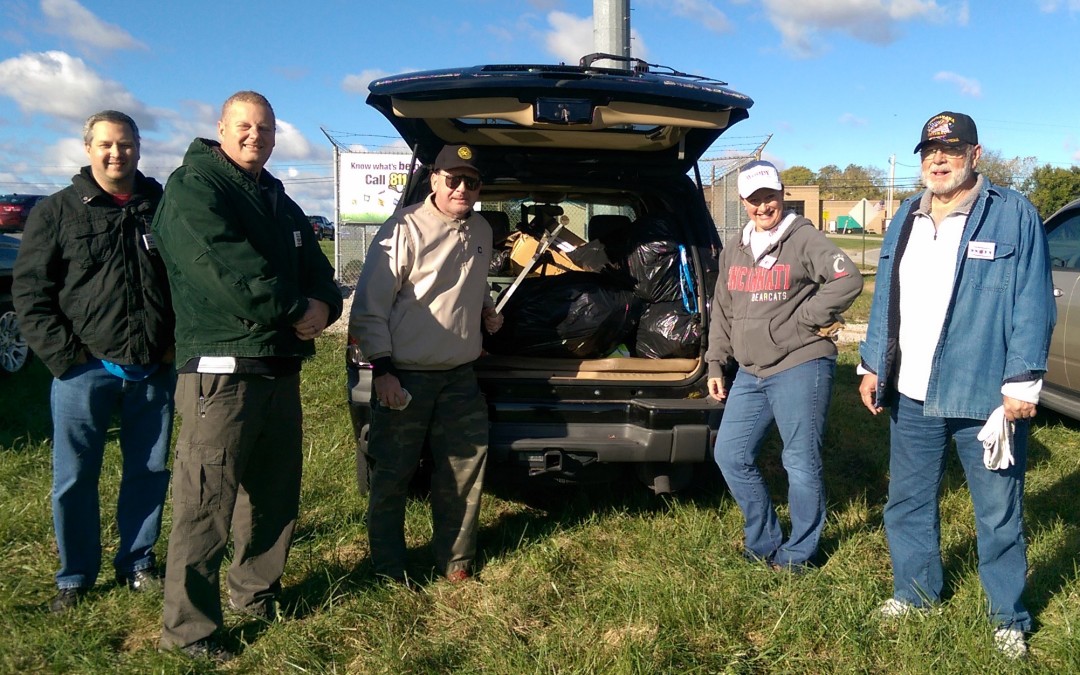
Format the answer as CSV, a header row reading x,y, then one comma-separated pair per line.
x,y
599,364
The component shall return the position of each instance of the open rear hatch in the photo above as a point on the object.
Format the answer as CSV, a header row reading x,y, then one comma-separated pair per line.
x,y
665,119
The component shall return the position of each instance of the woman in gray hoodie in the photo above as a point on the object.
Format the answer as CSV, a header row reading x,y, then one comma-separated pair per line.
x,y
781,290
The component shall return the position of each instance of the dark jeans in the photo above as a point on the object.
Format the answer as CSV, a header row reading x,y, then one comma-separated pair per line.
x,y
238,464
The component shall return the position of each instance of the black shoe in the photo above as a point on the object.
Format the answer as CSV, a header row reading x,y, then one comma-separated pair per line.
x,y
65,599
267,610
141,581
208,648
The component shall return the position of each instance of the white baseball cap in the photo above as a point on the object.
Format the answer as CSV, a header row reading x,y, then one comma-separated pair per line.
x,y
757,175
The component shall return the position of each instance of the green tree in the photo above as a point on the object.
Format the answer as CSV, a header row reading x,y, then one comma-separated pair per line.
x,y
1049,188
1011,173
827,178
854,182
798,175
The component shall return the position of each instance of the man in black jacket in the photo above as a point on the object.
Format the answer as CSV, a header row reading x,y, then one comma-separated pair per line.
x,y
93,301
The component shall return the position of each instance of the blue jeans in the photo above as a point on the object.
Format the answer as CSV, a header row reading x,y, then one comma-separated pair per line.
x,y
83,401
913,521
797,399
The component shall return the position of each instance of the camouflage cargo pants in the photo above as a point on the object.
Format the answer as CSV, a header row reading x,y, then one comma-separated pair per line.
x,y
449,411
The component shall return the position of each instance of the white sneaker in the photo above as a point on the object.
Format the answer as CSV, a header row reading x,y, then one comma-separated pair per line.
x,y
895,609
1011,642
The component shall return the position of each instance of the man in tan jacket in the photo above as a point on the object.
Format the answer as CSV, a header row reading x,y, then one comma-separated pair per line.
x,y
420,302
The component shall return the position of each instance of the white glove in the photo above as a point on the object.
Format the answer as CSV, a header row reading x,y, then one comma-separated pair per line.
x,y
997,439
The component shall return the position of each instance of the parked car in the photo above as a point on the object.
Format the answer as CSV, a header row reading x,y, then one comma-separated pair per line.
x,y
322,227
14,354
14,210
1061,387
604,156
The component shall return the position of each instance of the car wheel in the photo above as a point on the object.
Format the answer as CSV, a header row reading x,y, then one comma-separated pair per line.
x,y
14,352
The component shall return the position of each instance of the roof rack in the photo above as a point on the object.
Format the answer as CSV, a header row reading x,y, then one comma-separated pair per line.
x,y
640,66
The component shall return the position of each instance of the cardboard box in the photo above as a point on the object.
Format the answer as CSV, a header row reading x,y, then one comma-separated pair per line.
x,y
553,262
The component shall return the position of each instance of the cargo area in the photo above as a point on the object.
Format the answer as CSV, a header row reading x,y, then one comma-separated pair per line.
x,y
594,291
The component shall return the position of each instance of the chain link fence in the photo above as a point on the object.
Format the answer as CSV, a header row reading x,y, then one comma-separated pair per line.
x,y
720,182
351,248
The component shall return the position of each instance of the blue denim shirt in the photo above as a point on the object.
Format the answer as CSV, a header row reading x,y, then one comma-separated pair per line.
x,y
1000,317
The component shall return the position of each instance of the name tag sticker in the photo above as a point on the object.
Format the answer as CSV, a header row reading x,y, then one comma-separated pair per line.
x,y
767,262
981,250
296,238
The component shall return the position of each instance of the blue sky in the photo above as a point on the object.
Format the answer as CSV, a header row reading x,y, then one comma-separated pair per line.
x,y
834,81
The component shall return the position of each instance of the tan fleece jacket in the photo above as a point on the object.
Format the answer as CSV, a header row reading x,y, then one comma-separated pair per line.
x,y
422,290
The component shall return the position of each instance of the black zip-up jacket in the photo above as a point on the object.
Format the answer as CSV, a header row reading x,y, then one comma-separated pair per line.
x,y
87,284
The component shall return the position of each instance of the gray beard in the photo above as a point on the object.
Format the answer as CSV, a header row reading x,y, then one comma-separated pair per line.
x,y
956,179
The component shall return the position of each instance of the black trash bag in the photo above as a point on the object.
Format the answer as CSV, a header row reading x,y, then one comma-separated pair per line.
x,y
654,266
667,331
653,259
572,315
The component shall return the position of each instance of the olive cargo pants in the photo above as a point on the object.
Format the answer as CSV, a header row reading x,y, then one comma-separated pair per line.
x,y
238,465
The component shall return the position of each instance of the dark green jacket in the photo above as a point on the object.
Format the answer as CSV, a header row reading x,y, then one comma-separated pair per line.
x,y
242,260
86,284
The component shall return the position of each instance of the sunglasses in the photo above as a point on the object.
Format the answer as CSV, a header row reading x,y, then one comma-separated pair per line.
x,y
453,181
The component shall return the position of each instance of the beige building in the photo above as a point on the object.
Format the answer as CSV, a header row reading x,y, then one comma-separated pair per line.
x,y
833,215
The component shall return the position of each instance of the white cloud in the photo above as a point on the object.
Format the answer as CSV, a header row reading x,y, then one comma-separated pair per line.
x,y
851,120
358,84
291,144
63,158
58,84
571,36
966,85
800,22
69,18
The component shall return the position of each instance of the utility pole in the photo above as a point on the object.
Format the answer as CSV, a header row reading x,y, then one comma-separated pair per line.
x,y
611,31
888,204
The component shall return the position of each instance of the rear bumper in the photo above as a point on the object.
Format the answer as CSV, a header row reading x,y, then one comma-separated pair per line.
x,y
537,433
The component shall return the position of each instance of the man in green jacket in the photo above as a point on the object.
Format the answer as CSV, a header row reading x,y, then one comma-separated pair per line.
x,y
251,290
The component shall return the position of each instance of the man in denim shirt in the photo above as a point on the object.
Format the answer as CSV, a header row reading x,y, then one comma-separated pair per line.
x,y
960,325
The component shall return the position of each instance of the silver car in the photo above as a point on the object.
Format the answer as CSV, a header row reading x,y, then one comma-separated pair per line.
x,y
1061,388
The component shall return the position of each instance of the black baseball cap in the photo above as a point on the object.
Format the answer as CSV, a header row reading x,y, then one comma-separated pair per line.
x,y
949,128
456,157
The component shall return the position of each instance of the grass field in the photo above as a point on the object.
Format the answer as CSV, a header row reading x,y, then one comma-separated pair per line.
x,y
601,580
